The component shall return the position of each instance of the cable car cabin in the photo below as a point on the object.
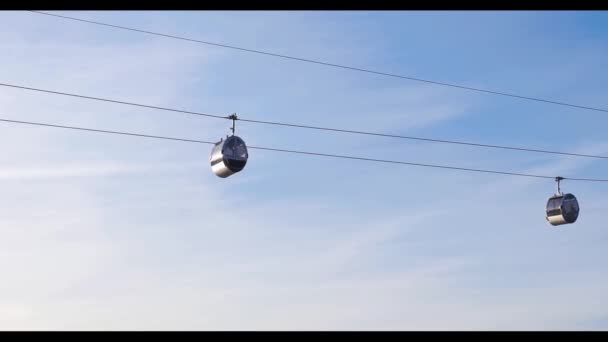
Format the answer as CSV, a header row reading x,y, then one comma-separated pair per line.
x,y
228,156
562,209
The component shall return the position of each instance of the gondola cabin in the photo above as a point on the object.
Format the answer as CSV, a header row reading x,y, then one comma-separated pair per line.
x,y
562,209
228,156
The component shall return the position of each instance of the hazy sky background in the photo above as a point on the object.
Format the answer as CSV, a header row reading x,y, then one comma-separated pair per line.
x,y
109,232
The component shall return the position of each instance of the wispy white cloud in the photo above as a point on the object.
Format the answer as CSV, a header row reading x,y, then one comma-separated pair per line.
x,y
64,171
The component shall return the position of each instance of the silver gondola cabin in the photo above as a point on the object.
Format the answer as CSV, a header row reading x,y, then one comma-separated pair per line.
x,y
562,208
228,156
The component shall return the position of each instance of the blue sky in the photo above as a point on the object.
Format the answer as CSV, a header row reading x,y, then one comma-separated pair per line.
x,y
109,232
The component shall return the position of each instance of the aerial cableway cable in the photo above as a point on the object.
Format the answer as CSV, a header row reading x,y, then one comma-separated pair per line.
x,y
329,129
305,152
334,65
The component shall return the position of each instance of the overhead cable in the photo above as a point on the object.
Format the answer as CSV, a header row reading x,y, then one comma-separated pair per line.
x,y
305,152
341,66
228,117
